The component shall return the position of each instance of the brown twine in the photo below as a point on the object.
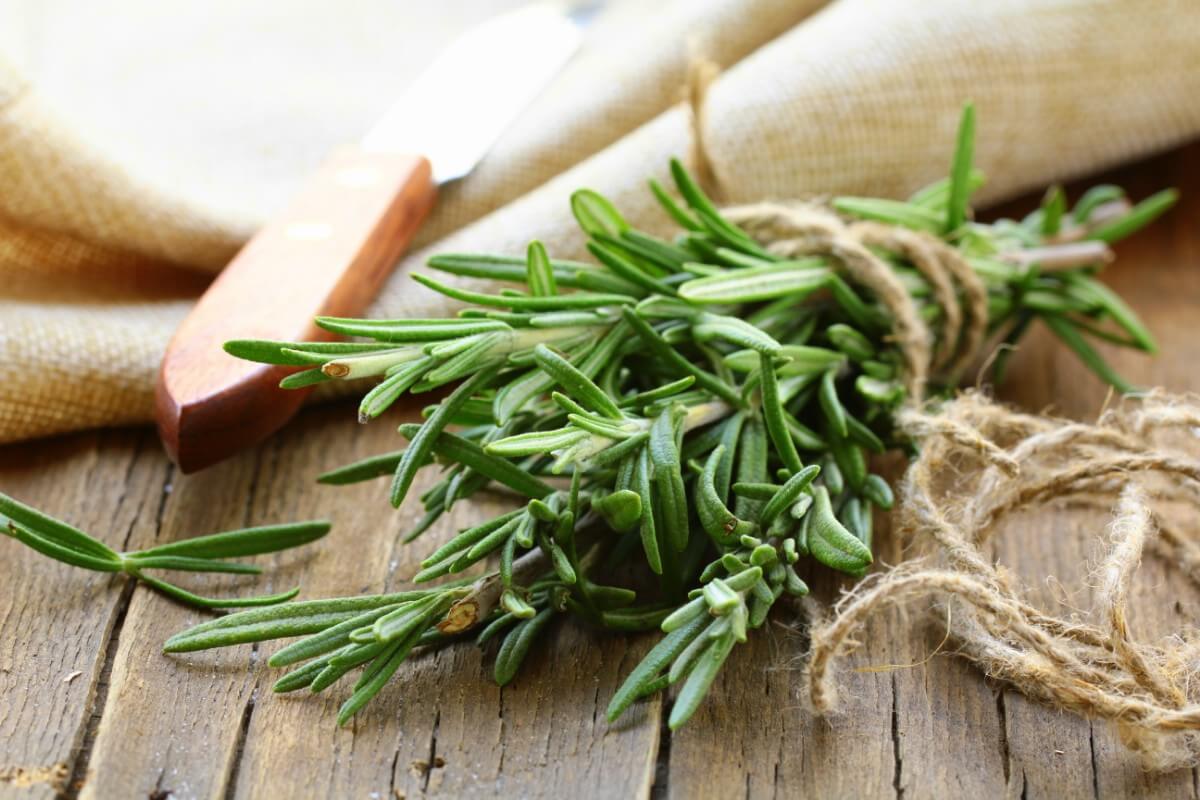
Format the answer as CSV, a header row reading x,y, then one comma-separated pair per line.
x,y
799,229
979,463
1094,666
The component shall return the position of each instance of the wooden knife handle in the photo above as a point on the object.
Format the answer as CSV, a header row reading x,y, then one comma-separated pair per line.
x,y
327,254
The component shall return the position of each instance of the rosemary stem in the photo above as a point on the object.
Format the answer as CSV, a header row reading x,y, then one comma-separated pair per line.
x,y
484,595
1061,256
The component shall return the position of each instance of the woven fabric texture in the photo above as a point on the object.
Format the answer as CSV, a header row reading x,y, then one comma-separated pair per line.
x,y
98,264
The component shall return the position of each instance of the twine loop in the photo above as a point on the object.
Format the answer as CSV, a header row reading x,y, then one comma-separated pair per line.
x,y
963,486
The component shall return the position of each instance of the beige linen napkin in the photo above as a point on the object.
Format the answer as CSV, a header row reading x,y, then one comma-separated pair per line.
x,y
855,96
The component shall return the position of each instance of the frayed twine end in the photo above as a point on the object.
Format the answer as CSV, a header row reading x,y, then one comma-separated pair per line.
x,y
1094,667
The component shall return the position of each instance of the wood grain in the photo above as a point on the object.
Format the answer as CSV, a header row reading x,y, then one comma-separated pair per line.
x,y
57,621
328,254
136,723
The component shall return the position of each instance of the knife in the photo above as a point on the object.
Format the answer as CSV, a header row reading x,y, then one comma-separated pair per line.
x,y
330,251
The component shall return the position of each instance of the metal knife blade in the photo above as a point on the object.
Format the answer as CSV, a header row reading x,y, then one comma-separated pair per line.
x,y
478,86
331,250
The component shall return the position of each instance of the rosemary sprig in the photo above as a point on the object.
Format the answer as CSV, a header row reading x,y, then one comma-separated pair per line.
x,y
63,542
714,405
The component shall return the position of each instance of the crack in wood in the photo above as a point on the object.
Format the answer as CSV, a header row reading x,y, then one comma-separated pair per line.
x,y
1005,752
392,792
79,771
158,792
99,700
898,770
660,789
433,758
239,745
1095,766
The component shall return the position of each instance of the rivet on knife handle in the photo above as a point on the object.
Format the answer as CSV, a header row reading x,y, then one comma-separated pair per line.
x,y
327,254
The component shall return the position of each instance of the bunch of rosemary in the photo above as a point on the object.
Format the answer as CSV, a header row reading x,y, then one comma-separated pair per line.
x,y
685,421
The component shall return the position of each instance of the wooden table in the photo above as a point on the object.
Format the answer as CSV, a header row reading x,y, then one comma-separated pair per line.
x,y
90,706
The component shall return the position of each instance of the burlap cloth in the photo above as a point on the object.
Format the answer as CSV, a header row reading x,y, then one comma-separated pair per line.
x,y
107,232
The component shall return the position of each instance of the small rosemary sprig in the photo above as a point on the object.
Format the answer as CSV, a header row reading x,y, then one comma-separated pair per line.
x,y
714,402
66,543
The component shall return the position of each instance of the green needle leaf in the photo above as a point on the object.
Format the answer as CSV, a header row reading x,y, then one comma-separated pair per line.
x,y
1073,339
568,274
649,668
627,270
191,599
1054,206
831,405
699,680
1138,217
516,646
709,216
788,494
1114,307
621,510
683,218
297,354
648,530
280,622
892,212
796,360
525,302
731,329
659,348
365,470
580,387
244,542
773,415
326,641
414,330
187,564
796,280
716,519
876,490
830,542
380,398
51,529
668,481
421,446
375,679
59,552
960,171
406,619
540,273
458,450
595,214
536,442
1095,197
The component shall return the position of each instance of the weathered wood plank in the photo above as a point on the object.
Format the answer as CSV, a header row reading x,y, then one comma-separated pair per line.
x,y
755,738
206,725
897,730
165,729
57,620
1053,754
442,727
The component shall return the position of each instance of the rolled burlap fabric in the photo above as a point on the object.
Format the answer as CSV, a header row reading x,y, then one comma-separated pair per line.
x,y
853,96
